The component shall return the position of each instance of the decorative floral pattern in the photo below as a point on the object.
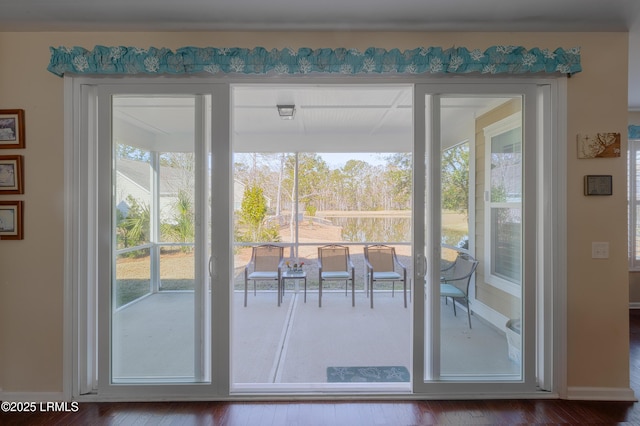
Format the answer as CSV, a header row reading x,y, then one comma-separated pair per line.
x,y
368,374
431,60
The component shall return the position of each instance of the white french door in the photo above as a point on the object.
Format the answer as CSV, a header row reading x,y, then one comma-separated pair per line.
x,y
500,127
157,266
129,174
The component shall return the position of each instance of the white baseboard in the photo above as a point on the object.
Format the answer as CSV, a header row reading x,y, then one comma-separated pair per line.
x,y
575,393
33,396
600,394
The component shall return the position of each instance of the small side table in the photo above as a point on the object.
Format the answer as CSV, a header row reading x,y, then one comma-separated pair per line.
x,y
302,275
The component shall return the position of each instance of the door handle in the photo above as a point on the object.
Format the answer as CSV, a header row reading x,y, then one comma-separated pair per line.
x,y
421,264
212,267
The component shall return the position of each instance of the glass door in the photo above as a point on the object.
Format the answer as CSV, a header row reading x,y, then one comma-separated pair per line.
x,y
448,177
336,172
155,292
479,287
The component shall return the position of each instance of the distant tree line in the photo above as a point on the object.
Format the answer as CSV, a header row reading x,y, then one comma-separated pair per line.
x,y
356,186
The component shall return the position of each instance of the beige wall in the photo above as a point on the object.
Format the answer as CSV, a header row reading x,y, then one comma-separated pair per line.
x,y
31,271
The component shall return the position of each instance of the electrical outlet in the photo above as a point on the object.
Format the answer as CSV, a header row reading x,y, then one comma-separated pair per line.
x,y
600,250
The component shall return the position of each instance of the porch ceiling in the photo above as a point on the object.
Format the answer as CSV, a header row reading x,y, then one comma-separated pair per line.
x,y
327,119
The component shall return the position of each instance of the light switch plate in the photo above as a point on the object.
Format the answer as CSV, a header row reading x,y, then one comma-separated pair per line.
x,y
600,250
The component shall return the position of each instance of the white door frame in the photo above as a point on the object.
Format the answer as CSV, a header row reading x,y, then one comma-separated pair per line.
x,y
82,237
543,260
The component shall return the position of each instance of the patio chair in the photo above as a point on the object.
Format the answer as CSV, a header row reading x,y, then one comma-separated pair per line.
x,y
455,280
381,263
265,265
334,264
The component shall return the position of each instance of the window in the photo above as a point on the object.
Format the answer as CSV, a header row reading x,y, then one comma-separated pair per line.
x,y
503,203
634,204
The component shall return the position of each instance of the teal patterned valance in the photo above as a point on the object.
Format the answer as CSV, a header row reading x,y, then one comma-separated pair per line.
x,y
194,60
634,132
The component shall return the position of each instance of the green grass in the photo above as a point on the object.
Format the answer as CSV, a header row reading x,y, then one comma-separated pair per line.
x,y
129,290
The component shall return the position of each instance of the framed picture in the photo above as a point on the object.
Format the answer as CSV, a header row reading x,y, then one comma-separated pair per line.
x,y
598,185
11,174
11,220
11,128
599,145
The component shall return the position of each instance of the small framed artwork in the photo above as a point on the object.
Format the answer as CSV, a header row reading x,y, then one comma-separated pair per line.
x,y
599,145
598,185
11,214
11,174
11,128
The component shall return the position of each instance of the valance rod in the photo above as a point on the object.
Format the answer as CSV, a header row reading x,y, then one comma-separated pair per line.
x,y
122,60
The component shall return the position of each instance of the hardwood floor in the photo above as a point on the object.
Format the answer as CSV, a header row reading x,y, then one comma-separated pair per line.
x,y
483,412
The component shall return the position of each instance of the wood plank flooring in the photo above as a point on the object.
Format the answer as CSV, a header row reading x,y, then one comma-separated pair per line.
x,y
322,413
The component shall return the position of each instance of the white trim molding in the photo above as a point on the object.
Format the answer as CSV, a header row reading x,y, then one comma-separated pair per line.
x,y
586,393
33,396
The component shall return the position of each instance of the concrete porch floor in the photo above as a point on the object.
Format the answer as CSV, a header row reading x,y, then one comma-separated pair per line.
x,y
296,342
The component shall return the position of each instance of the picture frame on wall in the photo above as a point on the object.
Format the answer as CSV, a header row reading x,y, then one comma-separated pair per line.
x,y
11,174
599,145
11,128
598,185
11,217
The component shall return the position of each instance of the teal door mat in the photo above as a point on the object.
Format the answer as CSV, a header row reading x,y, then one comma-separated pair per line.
x,y
367,374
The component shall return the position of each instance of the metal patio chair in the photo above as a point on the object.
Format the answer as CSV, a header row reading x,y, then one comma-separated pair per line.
x,y
455,280
382,264
265,265
334,264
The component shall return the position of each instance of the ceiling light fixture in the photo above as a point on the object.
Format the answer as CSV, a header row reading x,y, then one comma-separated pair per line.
x,y
286,112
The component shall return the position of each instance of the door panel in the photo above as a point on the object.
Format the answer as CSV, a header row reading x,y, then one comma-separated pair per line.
x,y
155,315
477,152
155,294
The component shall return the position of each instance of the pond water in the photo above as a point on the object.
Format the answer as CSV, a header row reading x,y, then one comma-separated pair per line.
x,y
387,230
455,238
374,229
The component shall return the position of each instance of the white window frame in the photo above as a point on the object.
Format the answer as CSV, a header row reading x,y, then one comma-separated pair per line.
x,y
511,122
633,203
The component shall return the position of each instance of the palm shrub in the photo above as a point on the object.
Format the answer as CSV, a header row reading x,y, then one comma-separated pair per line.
x,y
133,228
182,229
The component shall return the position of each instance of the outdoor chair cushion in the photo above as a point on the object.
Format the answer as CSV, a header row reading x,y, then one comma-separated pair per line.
x,y
386,276
339,275
450,291
263,275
